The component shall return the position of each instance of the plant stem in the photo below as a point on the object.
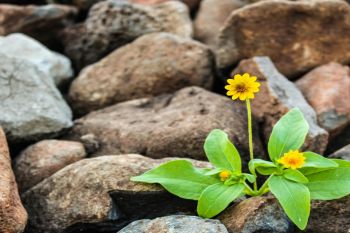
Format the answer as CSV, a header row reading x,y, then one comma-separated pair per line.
x,y
264,188
250,137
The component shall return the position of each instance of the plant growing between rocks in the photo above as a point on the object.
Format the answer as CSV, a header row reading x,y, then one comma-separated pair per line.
x,y
294,177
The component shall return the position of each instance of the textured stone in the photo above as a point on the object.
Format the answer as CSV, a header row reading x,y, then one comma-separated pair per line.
x,y
111,24
13,217
142,69
276,97
97,195
256,214
327,89
54,65
175,223
168,125
292,34
43,159
343,153
31,107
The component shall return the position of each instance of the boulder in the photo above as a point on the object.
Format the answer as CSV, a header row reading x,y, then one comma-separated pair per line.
x,y
13,217
327,89
41,160
343,153
96,195
54,65
168,125
111,24
175,223
292,34
31,107
277,96
142,69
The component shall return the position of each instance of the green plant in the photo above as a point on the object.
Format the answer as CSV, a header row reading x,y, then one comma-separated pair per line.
x,y
293,177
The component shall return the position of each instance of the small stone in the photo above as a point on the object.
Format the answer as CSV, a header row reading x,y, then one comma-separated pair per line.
x,y
13,217
327,89
142,69
31,107
112,24
41,160
292,34
276,97
54,65
343,153
256,214
175,223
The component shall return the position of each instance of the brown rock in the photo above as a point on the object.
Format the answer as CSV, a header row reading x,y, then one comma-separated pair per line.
x,y
276,97
13,217
297,36
111,24
327,89
256,214
168,125
43,159
142,69
343,153
97,194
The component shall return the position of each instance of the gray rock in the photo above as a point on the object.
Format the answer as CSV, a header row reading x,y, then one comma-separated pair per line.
x,y
175,223
31,107
343,153
54,65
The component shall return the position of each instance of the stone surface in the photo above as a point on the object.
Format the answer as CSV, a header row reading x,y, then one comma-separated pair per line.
x,y
256,214
343,153
175,223
327,89
292,35
13,217
142,69
31,107
169,125
97,194
43,159
111,24
211,16
276,97
40,22
54,65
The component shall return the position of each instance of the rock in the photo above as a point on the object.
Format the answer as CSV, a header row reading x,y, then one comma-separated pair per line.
x,y
343,153
192,4
276,97
142,69
211,16
168,125
175,223
97,195
31,107
54,65
339,140
43,159
327,89
292,35
13,217
40,22
256,214
111,24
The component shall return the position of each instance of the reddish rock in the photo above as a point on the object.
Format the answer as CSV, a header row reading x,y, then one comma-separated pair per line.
x,y
297,36
43,159
13,217
327,89
276,97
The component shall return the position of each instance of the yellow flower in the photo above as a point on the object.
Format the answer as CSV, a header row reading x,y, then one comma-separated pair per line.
x,y
224,175
242,87
293,159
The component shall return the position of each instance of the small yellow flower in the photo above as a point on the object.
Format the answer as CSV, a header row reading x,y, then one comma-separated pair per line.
x,y
224,175
293,159
242,87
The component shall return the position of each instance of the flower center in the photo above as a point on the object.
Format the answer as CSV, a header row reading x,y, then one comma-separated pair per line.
x,y
292,159
241,88
224,175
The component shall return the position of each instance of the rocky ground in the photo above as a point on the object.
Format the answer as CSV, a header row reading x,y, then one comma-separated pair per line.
x,y
93,92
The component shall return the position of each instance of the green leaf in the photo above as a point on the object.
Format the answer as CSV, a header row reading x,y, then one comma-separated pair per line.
x,y
342,163
315,160
295,175
249,177
262,166
213,171
288,134
294,199
216,198
329,184
180,178
221,152
311,170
